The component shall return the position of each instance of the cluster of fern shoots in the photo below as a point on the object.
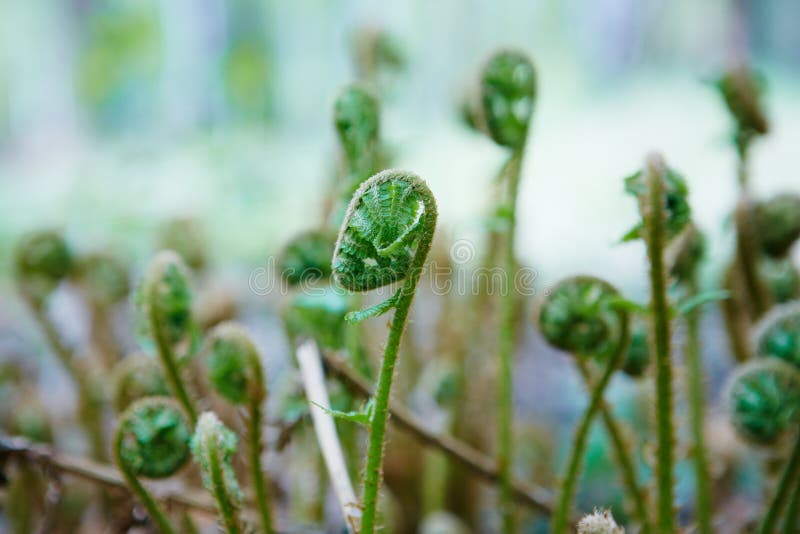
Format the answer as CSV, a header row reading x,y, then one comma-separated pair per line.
x,y
179,409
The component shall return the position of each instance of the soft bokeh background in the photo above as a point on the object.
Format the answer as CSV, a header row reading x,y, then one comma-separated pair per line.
x,y
117,116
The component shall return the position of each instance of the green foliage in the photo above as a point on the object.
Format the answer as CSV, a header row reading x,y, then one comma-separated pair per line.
x,y
580,316
507,94
679,212
104,278
778,334
777,223
42,260
763,400
234,364
153,438
385,220
135,377
307,258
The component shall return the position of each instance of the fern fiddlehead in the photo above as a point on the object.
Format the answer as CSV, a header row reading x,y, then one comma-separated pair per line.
x,y
385,238
213,446
164,301
152,441
764,399
662,197
236,373
506,96
582,315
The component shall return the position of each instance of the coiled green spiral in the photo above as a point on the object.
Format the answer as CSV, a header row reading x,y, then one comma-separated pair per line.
x,y
165,298
42,260
581,316
387,217
679,213
104,278
763,400
307,258
777,335
234,364
135,377
507,96
777,223
152,438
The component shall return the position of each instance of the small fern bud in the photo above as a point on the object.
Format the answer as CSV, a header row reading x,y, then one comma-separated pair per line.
x,y
678,211
42,260
742,92
234,365
389,215
185,236
152,438
580,316
777,223
777,335
637,357
307,258
164,299
356,115
507,95
599,522
164,303
213,447
104,278
135,377
763,399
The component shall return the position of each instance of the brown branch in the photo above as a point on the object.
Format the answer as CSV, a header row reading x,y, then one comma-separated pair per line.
x,y
477,462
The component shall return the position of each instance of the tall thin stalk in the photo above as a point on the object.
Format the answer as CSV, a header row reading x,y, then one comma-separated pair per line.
x,y
654,214
695,373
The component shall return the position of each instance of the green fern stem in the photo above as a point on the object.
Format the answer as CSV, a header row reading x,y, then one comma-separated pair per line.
x,y
792,518
254,450
167,357
505,349
563,505
157,515
654,213
216,475
624,460
696,402
380,415
788,478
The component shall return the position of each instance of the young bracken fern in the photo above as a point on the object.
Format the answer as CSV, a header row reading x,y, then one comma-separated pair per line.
x,y
385,238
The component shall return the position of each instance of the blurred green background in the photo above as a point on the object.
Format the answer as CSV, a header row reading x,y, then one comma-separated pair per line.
x,y
117,115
